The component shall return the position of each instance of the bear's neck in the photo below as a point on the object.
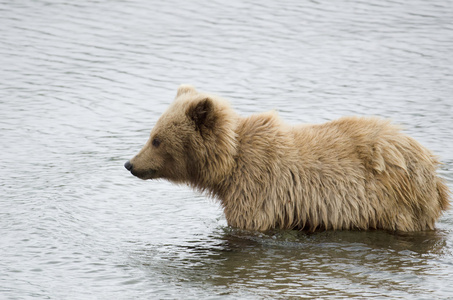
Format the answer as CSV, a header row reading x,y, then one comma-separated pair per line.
x,y
209,171
241,190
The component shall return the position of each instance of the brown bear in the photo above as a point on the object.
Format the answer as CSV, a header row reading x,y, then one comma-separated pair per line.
x,y
351,173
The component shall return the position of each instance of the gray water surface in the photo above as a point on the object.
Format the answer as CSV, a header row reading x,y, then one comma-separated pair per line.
x,y
83,82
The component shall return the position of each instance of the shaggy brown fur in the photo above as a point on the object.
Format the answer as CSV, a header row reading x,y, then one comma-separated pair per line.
x,y
352,173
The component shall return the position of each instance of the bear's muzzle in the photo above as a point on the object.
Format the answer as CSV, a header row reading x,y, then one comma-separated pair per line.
x,y
142,174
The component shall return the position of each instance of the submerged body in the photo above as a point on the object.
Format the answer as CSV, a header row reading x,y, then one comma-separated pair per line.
x,y
352,173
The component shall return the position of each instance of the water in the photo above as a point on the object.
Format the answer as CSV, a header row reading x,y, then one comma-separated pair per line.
x,y
83,82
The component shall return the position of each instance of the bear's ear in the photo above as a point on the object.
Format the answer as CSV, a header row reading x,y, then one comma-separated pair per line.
x,y
184,89
202,113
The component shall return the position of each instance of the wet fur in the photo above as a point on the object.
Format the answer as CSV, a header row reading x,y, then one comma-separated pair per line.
x,y
351,173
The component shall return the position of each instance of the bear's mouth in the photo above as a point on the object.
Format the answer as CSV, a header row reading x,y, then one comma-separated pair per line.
x,y
144,174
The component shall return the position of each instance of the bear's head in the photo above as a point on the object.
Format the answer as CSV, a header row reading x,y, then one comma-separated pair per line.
x,y
193,142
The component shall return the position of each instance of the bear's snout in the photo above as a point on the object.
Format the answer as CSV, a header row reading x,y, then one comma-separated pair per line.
x,y
140,173
128,165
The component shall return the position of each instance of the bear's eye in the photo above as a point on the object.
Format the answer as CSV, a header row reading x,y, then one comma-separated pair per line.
x,y
156,142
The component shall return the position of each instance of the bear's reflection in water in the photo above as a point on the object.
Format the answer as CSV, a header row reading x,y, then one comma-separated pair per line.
x,y
293,263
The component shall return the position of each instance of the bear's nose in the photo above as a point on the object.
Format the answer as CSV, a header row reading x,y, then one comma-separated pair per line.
x,y
128,165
